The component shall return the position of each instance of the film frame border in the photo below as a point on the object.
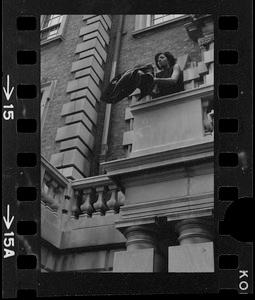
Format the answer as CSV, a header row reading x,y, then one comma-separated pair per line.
x,y
27,176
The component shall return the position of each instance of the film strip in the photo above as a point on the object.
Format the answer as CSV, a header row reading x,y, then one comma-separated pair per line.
x,y
22,172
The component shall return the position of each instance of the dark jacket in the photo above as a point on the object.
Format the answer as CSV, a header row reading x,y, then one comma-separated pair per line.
x,y
141,76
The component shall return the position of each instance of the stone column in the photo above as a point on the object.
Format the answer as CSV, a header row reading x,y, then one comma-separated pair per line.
x,y
140,237
193,231
195,253
142,254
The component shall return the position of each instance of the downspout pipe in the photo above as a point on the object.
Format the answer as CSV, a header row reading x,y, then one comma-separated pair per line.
x,y
104,143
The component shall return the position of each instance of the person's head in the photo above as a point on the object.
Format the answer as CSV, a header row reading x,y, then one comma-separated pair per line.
x,y
164,60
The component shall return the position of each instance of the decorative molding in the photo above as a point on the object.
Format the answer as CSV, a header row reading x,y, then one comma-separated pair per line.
x,y
174,208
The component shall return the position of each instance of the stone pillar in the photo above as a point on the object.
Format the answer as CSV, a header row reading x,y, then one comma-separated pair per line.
x,y
142,254
195,253
194,231
140,237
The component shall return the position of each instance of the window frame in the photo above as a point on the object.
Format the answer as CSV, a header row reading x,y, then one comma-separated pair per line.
x,y
60,34
143,23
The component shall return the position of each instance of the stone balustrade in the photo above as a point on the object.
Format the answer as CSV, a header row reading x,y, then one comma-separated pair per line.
x,y
96,196
84,197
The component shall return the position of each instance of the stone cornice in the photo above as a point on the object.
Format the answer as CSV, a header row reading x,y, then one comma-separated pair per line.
x,y
172,209
175,157
176,208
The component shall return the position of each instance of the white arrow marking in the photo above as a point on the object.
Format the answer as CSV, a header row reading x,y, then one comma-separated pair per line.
x,y
7,92
7,220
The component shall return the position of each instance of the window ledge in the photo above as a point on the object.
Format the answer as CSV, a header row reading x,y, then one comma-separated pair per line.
x,y
55,38
153,27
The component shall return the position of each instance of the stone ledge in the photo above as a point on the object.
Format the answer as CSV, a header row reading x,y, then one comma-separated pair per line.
x,y
196,93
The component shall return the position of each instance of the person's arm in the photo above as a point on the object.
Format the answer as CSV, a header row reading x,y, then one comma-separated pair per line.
x,y
171,80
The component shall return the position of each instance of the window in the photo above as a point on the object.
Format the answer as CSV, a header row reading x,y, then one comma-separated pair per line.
x,y
47,90
156,19
145,22
52,27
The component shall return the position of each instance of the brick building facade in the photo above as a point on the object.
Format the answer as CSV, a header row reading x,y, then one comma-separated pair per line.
x,y
126,187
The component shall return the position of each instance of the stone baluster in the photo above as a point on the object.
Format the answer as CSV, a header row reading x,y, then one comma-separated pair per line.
x,y
100,206
75,207
86,208
45,182
49,196
112,203
193,231
58,193
120,199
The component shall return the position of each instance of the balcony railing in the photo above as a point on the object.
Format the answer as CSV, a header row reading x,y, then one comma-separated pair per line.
x,y
87,197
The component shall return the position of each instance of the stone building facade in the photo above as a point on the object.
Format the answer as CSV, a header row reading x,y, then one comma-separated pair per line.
x,y
126,187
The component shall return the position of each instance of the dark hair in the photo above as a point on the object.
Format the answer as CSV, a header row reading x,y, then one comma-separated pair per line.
x,y
169,57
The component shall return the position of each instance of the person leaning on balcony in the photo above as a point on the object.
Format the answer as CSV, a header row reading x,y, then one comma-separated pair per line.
x,y
169,79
